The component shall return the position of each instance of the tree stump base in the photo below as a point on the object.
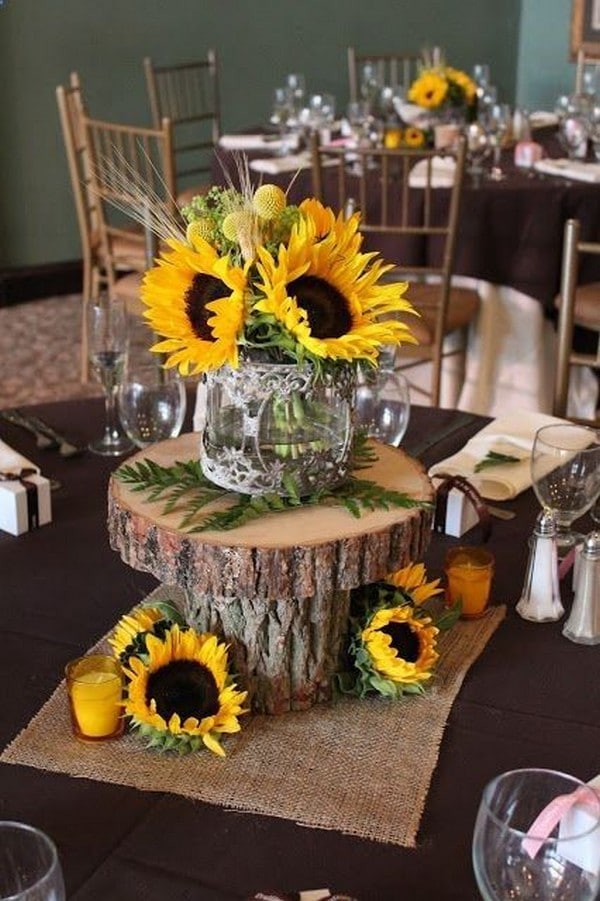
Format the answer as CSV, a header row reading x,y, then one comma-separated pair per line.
x,y
277,589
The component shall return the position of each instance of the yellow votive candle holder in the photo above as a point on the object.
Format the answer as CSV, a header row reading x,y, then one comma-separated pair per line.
x,y
95,690
469,572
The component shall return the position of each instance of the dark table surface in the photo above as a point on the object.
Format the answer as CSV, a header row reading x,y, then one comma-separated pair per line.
x,y
532,699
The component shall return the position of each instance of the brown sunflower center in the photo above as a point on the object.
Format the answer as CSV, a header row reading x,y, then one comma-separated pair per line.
x,y
326,307
405,642
185,687
203,289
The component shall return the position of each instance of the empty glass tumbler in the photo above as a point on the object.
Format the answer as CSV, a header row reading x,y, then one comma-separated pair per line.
x,y
152,402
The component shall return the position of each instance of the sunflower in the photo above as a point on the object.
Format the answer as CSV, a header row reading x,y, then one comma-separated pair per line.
x,y
195,300
327,294
413,580
466,84
401,647
132,625
429,90
414,137
183,696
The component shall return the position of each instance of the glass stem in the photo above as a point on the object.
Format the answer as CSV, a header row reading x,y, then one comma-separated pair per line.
x,y
112,428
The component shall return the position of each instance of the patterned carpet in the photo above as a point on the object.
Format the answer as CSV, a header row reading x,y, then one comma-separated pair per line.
x,y
39,352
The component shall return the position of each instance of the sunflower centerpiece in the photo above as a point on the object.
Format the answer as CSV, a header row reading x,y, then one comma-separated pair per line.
x,y
274,306
442,91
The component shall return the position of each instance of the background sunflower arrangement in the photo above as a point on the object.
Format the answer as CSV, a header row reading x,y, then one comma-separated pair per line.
x,y
440,86
394,629
255,278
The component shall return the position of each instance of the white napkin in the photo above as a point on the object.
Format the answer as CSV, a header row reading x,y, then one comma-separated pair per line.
x,y
12,461
511,435
278,164
575,169
249,142
542,119
442,173
410,112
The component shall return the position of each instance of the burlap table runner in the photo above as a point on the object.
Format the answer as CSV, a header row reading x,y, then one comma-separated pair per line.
x,y
330,767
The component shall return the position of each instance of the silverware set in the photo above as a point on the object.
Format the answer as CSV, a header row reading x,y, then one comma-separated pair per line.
x,y
46,437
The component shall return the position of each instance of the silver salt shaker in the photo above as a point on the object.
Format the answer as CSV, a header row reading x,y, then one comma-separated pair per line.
x,y
583,624
540,599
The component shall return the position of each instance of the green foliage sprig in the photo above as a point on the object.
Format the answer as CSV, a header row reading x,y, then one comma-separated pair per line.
x,y
183,486
493,458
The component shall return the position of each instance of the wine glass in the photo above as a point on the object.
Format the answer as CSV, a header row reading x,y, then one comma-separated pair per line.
x,y
107,343
497,125
383,404
152,400
29,866
565,472
513,860
281,115
477,150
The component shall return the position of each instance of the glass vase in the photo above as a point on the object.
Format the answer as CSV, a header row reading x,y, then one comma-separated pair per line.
x,y
275,428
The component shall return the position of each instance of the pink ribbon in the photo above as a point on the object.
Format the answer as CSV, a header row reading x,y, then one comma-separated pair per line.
x,y
553,813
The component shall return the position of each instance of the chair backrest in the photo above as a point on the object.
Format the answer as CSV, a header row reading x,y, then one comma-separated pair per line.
x,y
390,70
573,248
188,95
71,111
129,165
586,73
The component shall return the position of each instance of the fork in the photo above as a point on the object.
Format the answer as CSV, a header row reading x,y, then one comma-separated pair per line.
x,y
65,447
42,439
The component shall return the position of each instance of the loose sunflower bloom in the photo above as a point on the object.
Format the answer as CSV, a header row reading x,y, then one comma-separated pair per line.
x,y
401,647
429,90
327,294
414,137
183,696
412,579
132,625
195,301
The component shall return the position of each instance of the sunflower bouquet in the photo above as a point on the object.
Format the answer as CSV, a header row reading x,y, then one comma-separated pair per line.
x,y
393,645
439,86
179,695
253,277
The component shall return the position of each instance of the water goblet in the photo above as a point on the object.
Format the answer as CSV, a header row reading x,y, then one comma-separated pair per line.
x,y
574,132
515,857
107,343
152,401
29,866
565,473
383,404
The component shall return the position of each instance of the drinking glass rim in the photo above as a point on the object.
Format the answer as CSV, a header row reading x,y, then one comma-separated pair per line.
x,y
517,832
569,425
19,827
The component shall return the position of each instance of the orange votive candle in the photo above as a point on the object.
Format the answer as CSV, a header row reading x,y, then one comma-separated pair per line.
x,y
95,690
469,572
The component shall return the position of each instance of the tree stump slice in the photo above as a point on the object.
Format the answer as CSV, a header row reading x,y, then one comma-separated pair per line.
x,y
276,589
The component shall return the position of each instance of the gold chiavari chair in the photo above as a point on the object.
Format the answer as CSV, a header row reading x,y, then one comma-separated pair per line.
x,y
188,95
399,212
103,261
391,70
578,305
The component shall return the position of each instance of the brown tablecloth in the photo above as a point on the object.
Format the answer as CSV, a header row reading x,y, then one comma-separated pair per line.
x,y
532,698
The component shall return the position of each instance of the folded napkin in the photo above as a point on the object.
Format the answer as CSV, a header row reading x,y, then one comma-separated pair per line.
x,y
442,174
512,435
12,461
410,112
575,169
277,164
542,119
249,142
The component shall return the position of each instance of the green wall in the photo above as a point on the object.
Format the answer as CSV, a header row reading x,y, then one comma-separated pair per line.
x,y
41,41
544,70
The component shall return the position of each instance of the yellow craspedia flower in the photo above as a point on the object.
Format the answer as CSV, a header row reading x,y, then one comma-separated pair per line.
x,y
429,90
402,647
183,697
269,201
414,137
413,580
236,224
199,229
141,619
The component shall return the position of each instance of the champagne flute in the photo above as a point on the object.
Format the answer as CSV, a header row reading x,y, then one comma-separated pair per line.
x,y
107,341
516,856
498,122
29,866
565,473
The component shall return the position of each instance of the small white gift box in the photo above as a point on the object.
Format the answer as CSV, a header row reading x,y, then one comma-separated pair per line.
x,y
24,501
455,514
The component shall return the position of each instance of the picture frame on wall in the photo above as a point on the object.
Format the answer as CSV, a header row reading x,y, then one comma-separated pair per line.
x,y
585,29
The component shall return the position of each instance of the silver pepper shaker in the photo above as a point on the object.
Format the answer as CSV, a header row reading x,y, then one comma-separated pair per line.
x,y
583,624
540,599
